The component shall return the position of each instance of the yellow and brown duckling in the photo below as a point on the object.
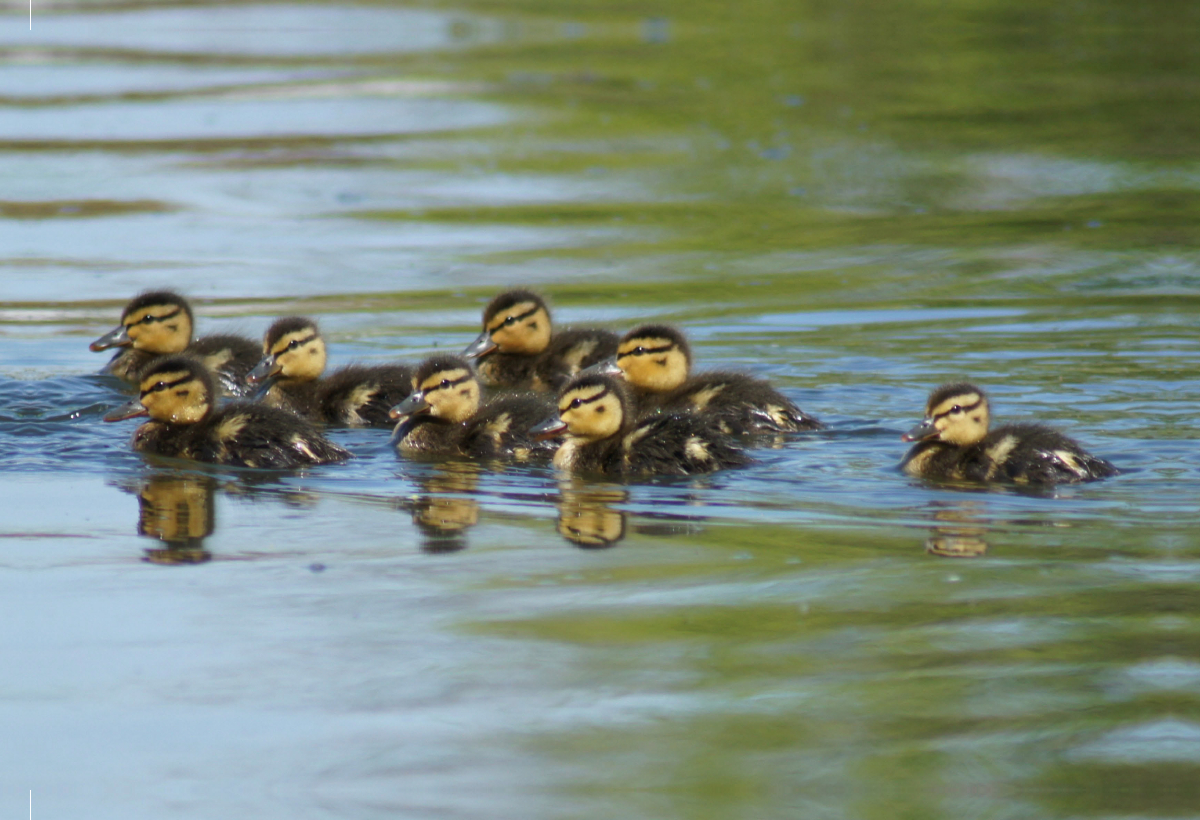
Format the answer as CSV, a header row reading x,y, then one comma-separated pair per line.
x,y
517,348
178,394
159,323
656,361
603,434
953,443
444,416
290,378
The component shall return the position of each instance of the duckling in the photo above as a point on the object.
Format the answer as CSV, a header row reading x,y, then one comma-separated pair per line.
x,y
290,375
443,416
953,442
656,360
160,322
177,393
517,349
604,436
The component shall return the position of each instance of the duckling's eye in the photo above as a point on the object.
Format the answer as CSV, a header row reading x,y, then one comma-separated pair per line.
x,y
639,351
575,403
956,409
445,383
510,321
293,344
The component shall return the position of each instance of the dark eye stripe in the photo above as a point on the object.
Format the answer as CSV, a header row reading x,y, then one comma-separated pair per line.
x,y
646,350
964,408
149,319
516,318
564,408
166,385
448,383
295,343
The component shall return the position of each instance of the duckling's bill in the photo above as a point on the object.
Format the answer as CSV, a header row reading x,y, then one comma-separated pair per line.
x,y
129,410
267,368
415,403
483,345
925,430
548,429
117,337
608,367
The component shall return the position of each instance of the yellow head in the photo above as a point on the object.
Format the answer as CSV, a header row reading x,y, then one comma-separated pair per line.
x,y
956,414
445,388
159,322
292,349
654,358
516,321
173,389
593,407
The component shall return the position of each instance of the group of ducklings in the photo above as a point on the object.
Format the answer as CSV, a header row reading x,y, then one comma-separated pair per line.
x,y
626,406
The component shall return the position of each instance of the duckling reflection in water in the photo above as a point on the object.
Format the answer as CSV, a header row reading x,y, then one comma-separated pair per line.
x,y
953,443
958,532
177,393
441,512
444,416
518,350
160,323
604,436
586,517
656,361
290,378
179,512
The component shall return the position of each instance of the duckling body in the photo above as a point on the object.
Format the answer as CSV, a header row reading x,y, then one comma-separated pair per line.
x,y
177,392
444,416
160,323
656,360
518,350
954,443
355,396
604,436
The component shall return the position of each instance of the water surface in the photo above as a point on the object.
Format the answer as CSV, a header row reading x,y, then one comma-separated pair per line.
x,y
856,201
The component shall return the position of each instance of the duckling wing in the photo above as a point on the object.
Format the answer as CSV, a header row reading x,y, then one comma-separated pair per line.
x,y
677,444
248,435
501,428
570,351
741,404
229,358
1031,453
360,396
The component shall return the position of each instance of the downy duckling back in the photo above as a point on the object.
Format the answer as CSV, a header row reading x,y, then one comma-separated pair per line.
x,y
159,323
518,350
604,436
953,443
656,361
177,393
444,416
294,358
